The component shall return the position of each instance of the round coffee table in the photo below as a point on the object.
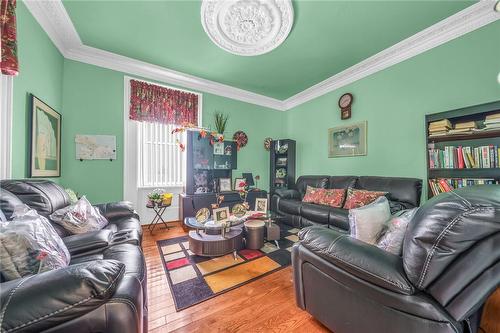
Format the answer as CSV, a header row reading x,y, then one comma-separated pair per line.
x,y
214,239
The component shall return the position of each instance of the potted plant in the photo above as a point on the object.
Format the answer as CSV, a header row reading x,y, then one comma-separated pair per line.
x,y
155,197
220,122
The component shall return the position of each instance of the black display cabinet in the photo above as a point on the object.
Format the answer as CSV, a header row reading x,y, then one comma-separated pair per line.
x,y
206,163
282,165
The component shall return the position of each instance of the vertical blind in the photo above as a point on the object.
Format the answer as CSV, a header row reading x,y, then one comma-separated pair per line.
x,y
160,161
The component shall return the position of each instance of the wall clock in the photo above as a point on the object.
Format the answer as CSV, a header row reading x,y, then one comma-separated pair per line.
x,y
345,102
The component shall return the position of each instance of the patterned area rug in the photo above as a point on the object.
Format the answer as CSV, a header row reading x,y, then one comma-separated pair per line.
x,y
194,279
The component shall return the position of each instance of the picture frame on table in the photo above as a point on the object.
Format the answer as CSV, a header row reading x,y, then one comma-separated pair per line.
x,y
344,141
45,150
225,185
237,182
221,214
261,205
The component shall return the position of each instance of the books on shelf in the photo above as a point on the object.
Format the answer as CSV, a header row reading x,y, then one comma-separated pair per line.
x,y
441,185
440,127
459,157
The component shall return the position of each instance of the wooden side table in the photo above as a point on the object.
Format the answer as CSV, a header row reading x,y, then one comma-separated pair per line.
x,y
159,209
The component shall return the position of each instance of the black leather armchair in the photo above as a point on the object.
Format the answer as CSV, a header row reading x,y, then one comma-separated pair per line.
x,y
104,288
450,265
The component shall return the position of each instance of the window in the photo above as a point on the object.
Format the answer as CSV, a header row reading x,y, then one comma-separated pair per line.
x,y
161,162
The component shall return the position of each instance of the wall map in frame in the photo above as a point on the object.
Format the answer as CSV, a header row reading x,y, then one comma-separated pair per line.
x,y
347,140
45,152
95,147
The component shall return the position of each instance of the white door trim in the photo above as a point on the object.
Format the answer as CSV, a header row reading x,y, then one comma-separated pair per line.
x,y
6,91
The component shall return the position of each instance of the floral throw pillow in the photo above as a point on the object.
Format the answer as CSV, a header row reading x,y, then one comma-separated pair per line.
x,y
313,194
333,197
359,198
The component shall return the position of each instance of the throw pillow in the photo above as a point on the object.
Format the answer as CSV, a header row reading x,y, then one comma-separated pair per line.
x,y
392,239
313,194
333,197
30,245
358,198
367,222
80,217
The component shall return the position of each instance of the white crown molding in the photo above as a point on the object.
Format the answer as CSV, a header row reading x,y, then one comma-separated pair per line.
x,y
465,21
54,19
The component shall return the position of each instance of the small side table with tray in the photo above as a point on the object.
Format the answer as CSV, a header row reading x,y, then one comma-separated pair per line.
x,y
159,209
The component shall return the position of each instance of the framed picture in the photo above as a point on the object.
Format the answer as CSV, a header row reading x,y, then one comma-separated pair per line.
x,y
224,184
237,182
219,148
45,152
221,214
261,205
347,140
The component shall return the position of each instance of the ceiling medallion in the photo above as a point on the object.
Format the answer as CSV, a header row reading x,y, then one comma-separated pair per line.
x,y
247,27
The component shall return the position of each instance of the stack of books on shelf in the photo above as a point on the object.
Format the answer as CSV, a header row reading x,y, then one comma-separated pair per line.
x,y
492,122
439,128
442,185
458,157
463,127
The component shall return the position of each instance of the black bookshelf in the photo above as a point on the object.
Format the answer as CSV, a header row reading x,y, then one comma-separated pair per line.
x,y
474,139
202,163
282,160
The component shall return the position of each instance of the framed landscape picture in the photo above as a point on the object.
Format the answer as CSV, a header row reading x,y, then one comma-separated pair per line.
x,y
347,140
45,153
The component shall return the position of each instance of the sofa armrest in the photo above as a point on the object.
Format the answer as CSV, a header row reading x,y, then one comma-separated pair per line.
x,y
89,241
39,302
363,260
288,194
117,210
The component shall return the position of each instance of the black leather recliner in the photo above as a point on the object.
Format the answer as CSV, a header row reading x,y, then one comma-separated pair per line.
x,y
402,193
449,267
104,287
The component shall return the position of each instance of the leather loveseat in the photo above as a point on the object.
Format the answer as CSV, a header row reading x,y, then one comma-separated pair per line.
x,y
403,193
104,287
449,267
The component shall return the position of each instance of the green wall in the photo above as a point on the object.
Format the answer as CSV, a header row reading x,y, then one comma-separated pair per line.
x,y
41,71
93,104
460,73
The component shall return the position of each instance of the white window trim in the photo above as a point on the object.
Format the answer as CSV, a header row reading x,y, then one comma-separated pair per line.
x,y
130,149
6,91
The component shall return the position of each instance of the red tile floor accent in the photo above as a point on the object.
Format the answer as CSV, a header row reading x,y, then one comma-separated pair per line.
x,y
250,254
177,263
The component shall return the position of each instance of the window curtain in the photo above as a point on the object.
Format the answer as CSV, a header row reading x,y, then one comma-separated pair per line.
x,y
152,103
8,40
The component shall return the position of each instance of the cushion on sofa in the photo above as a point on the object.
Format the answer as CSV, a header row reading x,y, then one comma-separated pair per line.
x,y
313,194
290,206
80,217
333,197
316,213
367,222
358,198
313,181
392,238
29,245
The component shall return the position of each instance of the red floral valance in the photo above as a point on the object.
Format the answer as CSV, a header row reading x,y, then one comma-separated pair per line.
x,y
152,103
8,40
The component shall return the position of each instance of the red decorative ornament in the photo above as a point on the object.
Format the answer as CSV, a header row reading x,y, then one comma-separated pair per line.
x,y
241,139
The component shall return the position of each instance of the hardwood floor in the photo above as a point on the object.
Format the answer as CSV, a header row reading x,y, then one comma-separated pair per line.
x,y
265,305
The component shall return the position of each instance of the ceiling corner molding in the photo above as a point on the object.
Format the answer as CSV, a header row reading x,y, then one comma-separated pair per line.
x,y
459,24
54,19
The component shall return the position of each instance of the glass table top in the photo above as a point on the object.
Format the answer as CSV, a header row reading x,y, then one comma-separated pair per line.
x,y
232,221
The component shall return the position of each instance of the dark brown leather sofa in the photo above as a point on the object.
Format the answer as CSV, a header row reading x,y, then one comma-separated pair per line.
x,y
403,193
104,288
449,267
